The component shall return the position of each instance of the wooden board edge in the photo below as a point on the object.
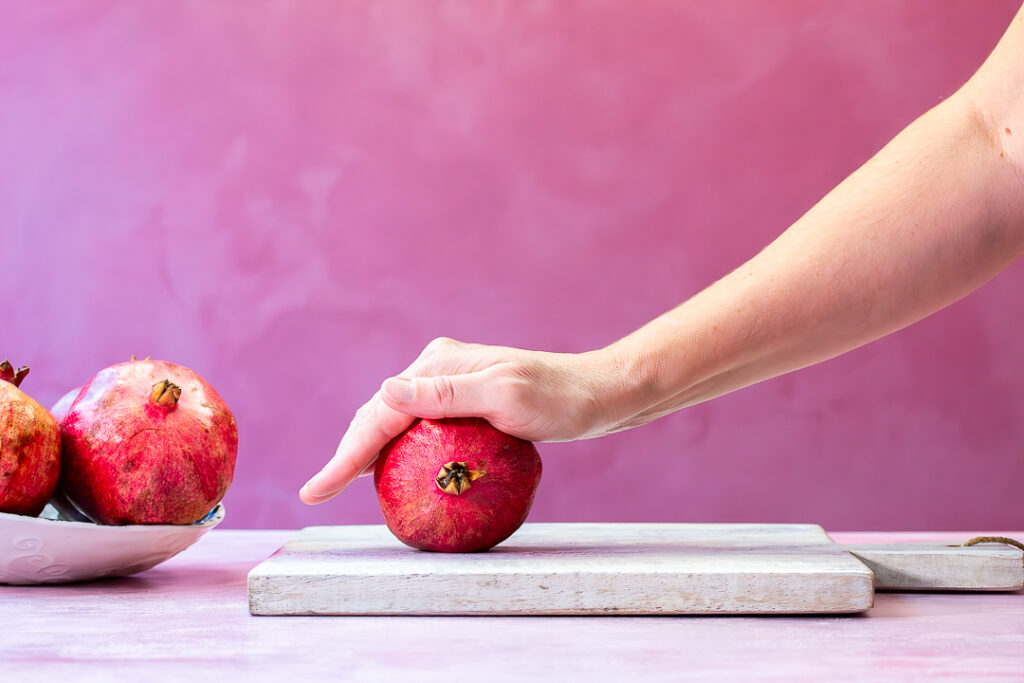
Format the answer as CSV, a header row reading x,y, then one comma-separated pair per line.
x,y
858,586
911,567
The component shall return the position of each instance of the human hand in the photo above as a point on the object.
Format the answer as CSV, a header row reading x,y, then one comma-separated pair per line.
x,y
533,395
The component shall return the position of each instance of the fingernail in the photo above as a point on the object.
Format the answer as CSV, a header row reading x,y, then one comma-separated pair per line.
x,y
400,390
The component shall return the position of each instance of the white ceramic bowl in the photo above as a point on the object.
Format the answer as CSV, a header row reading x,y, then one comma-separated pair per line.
x,y
37,550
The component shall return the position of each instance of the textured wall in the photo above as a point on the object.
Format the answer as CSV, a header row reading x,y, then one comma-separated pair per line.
x,y
293,198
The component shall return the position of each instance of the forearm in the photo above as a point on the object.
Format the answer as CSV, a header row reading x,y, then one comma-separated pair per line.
x,y
924,222
932,216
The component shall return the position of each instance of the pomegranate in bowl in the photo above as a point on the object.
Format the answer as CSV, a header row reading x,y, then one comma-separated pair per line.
x,y
147,442
29,447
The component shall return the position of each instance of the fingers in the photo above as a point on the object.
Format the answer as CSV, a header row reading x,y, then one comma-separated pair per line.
x,y
374,425
464,395
444,356
368,470
457,388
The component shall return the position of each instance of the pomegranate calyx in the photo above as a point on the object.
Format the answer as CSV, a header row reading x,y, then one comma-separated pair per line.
x,y
9,374
454,477
165,393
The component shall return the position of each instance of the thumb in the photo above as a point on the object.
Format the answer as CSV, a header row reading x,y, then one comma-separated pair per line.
x,y
441,396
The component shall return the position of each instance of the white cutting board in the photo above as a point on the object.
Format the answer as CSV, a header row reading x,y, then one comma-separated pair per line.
x,y
568,569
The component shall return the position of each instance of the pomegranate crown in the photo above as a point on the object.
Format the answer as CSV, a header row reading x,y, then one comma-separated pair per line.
x,y
9,374
165,393
454,478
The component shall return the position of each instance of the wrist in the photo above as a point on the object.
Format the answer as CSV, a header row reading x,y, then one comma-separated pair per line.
x,y
633,382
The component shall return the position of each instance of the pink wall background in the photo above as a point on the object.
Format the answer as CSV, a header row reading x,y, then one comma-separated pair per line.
x,y
293,198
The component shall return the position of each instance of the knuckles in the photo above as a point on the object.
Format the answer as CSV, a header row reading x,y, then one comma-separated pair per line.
x,y
444,392
434,353
440,344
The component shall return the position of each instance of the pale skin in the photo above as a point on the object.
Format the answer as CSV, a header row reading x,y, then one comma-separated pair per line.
x,y
935,214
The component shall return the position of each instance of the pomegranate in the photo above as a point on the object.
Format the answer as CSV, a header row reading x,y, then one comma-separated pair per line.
x,y
456,485
63,405
147,442
29,447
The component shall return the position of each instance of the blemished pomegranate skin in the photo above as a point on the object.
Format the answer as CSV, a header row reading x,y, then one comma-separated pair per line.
x,y
456,485
147,442
29,448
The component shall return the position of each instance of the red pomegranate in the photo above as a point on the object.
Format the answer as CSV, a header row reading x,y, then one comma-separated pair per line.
x,y
63,405
29,447
456,485
147,442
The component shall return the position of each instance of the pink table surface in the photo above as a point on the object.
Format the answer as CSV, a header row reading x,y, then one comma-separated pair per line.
x,y
188,619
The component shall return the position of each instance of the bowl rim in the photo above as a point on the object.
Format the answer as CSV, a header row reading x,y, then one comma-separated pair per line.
x,y
209,520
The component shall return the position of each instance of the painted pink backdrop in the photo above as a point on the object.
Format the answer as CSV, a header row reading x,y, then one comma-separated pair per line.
x,y
294,197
